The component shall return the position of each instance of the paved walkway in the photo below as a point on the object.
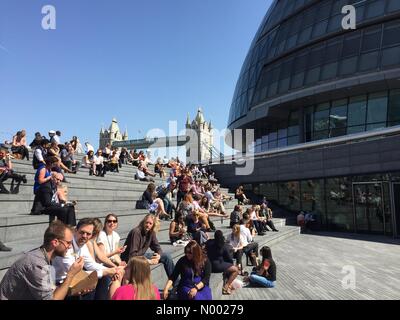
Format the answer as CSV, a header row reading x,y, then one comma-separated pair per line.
x,y
309,267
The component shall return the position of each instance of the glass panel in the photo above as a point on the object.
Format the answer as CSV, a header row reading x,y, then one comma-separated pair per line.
x,y
289,195
369,208
339,204
394,108
308,123
321,117
369,61
269,190
312,199
329,71
356,114
391,33
338,118
393,5
375,9
348,66
377,110
390,56
371,40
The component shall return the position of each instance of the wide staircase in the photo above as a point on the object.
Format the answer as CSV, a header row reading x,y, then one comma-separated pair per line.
x,y
96,197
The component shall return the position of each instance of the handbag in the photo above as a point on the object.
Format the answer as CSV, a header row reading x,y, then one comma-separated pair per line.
x,y
142,204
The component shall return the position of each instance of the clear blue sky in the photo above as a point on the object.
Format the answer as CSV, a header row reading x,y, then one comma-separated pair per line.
x,y
142,61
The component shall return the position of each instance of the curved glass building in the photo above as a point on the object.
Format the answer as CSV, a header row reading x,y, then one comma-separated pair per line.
x,y
325,106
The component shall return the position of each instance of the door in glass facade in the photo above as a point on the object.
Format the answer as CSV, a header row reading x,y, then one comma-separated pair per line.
x,y
396,198
369,207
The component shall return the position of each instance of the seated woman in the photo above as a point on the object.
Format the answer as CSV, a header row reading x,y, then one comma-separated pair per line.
x,y
88,162
99,168
54,151
156,205
177,229
18,146
108,240
240,196
113,164
134,157
141,175
95,249
197,229
219,254
238,242
158,168
194,270
46,197
265,274
134,283
187,206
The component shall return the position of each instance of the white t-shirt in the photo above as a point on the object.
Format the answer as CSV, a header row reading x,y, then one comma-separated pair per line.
x,y
245,232
235,242
110,242
98,160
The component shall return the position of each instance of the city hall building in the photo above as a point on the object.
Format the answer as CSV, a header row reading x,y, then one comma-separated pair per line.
x,y
325,106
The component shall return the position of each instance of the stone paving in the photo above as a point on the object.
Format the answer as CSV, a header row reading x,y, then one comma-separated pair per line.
x,y
316,266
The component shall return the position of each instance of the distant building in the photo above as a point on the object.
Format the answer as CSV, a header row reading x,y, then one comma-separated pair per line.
x,y
112,134
198,150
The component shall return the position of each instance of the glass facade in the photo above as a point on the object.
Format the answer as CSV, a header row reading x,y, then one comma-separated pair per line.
x,y
350,204
280,59
332,119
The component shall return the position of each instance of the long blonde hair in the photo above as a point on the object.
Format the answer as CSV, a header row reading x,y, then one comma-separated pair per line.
x,y
140,277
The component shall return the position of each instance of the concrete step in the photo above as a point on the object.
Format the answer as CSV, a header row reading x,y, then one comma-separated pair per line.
x,y
126,223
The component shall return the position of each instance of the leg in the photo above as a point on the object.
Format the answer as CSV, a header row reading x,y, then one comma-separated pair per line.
x,y
232,273
101,292
3,177
168,263
270,223
261,281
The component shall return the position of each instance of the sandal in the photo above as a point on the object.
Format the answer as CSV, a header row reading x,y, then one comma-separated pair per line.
x,y
226,291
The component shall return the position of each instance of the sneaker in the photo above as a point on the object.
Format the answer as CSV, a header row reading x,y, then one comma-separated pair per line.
x,y
5,191
3,247
24,179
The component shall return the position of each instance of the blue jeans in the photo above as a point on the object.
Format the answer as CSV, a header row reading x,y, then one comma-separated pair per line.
x,y
261,281
166,260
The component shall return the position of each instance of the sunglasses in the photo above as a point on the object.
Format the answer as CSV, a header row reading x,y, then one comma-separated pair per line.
x,y
112,221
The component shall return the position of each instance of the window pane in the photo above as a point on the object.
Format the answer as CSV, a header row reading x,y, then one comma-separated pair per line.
x,y
338,118
329,70
391,34
377,110
369,61
371,40
321,117
390,56
376,8
394,108
351,45
339,203
393,5
348,66
357,111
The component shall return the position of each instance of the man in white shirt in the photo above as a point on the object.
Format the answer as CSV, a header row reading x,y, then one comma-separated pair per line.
x,y
83,233
251,249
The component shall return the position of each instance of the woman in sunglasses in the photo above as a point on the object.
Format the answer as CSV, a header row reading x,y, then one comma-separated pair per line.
x,y
194,270
108,239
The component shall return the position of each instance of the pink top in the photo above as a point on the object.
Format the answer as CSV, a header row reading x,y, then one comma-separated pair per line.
x,y
128,292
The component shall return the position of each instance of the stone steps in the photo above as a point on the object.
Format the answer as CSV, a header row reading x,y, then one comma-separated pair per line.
x,y
158,273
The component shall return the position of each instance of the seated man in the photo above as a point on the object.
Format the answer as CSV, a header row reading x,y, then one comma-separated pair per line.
x,y
82,234
6,172
143,237
68,158
30,278
18,147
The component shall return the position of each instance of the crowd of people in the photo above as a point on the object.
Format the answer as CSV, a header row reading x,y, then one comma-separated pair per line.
x,y
123,272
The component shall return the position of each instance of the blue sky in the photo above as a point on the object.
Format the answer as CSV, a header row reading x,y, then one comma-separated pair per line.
x,y
142,61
